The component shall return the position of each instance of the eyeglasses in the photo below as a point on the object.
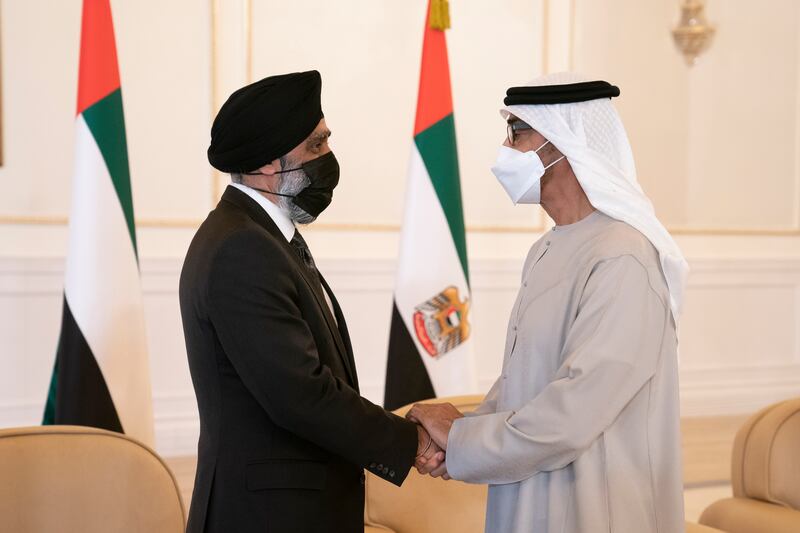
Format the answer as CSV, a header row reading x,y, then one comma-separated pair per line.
x,y
514,127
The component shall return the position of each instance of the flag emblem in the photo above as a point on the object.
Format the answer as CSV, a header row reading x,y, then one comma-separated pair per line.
x,y
441,323
432,293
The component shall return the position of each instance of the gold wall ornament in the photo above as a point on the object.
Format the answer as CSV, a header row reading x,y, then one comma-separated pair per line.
x,y
693,34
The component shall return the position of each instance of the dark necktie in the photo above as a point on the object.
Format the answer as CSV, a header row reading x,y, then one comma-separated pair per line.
x,y
301,247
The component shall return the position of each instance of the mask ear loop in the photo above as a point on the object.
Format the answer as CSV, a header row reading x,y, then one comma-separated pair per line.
x,y
271,192
276,172
554,162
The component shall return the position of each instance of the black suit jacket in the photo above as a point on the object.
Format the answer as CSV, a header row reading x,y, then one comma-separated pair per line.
x,y
284,433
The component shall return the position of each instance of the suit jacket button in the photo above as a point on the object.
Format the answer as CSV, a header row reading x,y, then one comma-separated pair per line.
x,y
372,465
380,467
385,471
391,473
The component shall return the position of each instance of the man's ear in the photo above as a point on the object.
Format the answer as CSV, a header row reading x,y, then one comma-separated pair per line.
x,y
270,168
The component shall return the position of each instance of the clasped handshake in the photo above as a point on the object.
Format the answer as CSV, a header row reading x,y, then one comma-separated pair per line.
x,y
435,421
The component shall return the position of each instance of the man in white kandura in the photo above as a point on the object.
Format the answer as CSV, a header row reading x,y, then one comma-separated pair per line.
x,y
581,431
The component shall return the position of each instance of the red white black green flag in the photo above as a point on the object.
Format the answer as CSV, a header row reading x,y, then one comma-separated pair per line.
x,y
101,376
429,344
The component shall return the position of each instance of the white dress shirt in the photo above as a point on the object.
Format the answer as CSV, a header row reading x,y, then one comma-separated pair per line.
x,y
278,215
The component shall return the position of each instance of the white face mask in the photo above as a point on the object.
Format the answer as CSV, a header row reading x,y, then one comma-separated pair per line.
x,y
520,173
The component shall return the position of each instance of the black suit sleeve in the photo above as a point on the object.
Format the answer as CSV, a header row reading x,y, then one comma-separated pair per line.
x,y
253,305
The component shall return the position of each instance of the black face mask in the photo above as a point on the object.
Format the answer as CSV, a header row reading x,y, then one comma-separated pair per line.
x,y
323,172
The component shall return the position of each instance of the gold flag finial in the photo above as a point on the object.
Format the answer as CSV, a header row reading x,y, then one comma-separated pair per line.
x,y
440,15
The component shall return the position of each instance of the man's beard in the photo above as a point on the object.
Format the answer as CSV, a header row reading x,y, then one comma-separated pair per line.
x,y
291,184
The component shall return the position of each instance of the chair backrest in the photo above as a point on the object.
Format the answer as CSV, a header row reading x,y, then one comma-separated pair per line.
x,y
766,456
425,504
79,479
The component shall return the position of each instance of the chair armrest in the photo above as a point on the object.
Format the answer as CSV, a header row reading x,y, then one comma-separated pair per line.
x,y
377,529
742,515
691,527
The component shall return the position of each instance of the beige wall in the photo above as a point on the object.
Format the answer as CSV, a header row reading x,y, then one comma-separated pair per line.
x,y
716,145
716,148
163,51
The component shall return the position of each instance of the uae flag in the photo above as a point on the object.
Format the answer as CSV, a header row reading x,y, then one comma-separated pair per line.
x,y
429,340
101,376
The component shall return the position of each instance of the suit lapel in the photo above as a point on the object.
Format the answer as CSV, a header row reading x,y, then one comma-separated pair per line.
x,y
345,335
256,212
316,288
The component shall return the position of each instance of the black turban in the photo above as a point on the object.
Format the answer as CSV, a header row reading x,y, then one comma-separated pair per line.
x,y
569,93
264,121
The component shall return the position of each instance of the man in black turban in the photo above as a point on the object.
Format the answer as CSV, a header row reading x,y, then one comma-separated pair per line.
x,y
265,120
284,433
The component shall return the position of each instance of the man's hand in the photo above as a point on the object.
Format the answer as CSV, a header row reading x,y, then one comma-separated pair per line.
x,y
440,471
436,418
430,456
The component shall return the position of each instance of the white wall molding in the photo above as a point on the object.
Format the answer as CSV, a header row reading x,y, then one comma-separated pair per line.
x,y
735,271
731,391
711,384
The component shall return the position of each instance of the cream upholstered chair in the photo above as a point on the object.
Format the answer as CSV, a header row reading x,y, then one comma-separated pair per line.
x,y
428,505
765,475
84,480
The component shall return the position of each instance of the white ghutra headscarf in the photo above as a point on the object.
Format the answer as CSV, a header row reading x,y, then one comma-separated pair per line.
x,y
591,135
